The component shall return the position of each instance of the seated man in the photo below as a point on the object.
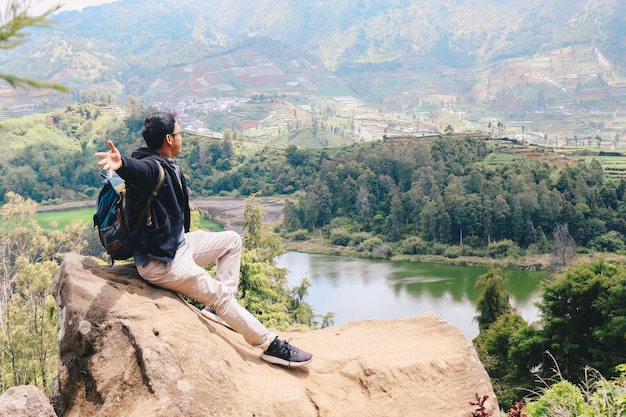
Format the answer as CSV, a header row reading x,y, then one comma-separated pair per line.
x,y
168,255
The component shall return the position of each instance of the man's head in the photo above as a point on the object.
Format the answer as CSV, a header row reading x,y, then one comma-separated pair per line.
x,y
162,133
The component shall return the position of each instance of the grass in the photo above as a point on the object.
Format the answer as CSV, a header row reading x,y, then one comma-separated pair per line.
x,y
498,158
57,220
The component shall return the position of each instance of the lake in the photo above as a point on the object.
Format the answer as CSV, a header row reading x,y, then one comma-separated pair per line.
x,y
358,289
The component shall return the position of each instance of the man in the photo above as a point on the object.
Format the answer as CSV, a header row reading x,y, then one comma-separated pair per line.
x,y
168,255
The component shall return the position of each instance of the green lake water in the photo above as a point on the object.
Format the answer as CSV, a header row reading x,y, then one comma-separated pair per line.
x,y
357,289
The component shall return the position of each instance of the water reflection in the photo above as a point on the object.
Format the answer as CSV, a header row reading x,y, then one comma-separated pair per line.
x,y
357,289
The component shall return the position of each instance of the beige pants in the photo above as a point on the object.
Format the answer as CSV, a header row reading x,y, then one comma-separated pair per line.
x,y
186,275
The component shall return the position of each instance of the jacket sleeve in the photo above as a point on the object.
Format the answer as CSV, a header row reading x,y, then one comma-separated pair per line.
x,y
140,172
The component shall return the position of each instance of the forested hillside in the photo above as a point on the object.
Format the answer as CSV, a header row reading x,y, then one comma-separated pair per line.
x,y
409,195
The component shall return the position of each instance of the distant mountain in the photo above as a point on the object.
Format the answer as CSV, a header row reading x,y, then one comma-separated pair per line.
x,y
509,58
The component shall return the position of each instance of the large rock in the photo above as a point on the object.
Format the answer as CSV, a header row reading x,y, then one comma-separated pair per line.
x,y
130,349
25,401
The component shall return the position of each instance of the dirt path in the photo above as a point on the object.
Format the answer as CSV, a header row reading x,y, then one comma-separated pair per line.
x,y
228,211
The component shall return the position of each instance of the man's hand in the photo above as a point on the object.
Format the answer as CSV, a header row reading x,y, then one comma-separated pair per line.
x,y
110,161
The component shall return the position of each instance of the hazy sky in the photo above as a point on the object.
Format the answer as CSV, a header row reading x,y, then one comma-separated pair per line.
x,y
38,6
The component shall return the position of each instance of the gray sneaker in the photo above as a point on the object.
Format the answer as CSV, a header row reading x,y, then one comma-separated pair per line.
x,y
281,352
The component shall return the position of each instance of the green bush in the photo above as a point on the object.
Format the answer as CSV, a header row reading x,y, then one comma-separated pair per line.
x,y
453,252
340,237
608,399
598,397
472,251
414,246
299,235
357,238
472,241
611,395
503,249
369,244
561,399
340,223
439,248
612,241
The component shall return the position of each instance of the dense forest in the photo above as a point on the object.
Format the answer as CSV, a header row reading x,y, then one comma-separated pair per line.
x,y
413,195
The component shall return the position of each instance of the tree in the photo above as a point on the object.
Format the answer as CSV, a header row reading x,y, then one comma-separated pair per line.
x,y
32,327
509,349
319,205
13,23
507,345
455,198
584,318
493,300
29,258
228,149
263,286
428,220
291,217
362,202
296,157
563,249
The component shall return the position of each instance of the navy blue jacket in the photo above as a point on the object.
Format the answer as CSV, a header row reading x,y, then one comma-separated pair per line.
x,y
170,210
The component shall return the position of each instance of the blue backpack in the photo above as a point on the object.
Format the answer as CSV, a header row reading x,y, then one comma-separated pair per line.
x,y
111,217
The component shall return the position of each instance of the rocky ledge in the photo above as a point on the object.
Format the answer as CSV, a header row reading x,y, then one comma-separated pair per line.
x,y
130,349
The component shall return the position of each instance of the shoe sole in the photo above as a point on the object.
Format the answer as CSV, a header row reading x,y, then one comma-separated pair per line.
x,y
279,361
215,318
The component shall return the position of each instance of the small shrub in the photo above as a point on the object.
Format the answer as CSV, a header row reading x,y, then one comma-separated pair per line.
x,y
562,398
299,235
453,252
472,241
382,251
357,238
607,398
439,248
479,402
472,251
414,246
340,223
369,244
517,410
503,249
340,237
612,241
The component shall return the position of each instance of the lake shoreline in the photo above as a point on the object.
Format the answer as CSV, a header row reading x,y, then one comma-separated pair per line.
x,y
530,263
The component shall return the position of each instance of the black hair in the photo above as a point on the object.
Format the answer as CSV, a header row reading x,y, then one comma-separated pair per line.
x,y
156,126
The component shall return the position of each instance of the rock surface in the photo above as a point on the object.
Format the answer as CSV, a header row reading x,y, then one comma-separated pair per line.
x,y
130,349
25,401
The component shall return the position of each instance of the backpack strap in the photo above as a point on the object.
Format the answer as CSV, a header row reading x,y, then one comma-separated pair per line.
x,y
146,211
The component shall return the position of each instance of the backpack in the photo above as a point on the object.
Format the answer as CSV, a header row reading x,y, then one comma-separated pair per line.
x,y
111,217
